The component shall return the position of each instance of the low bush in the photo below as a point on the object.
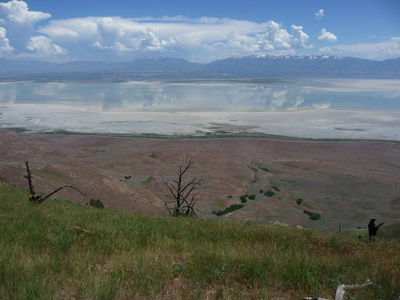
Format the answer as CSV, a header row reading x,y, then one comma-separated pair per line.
x,y
299,201
96,203
231,208
313,216
243,198
252,197
269,193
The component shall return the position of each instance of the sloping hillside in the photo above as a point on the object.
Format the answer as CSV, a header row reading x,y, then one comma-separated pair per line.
x,y
61,250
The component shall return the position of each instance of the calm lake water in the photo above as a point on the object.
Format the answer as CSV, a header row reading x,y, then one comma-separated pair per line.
x,y
383,95
317,108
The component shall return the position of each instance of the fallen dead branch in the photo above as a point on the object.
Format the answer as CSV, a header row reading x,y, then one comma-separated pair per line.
x,y
341,290
33,197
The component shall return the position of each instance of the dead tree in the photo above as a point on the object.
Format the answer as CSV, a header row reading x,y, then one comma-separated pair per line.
x,y
179,195
33,197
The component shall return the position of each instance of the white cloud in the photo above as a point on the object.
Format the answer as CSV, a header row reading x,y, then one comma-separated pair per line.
x,y
4,42
19,22
273,39
325,50
17,12
319,14
327,36
379,51
299,38
150,41
44,46
205,37
202,39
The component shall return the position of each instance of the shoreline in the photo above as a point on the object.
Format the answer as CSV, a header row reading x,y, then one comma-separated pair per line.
x,y
216,136
313,124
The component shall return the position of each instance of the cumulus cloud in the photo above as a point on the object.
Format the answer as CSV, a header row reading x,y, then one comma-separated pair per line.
x,y
319,14
327,36
43,45
150,41
299,37
206,37
17,12
19,22
272,39
4,42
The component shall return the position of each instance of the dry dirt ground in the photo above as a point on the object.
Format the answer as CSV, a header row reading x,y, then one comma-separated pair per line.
x,y
346,182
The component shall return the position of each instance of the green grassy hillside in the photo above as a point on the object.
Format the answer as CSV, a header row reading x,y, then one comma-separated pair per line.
x,y
45,256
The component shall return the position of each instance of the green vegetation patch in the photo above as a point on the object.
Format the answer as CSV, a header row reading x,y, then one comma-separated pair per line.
x,y
46,254
269,193
313,216
96,203
231,208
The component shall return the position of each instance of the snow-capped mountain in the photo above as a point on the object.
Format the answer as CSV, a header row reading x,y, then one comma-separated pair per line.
x,y
245,66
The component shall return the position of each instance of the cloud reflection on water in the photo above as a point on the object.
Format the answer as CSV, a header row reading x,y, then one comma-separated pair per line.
x,y
164,97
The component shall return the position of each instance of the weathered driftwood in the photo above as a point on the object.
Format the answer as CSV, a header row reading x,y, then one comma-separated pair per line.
x,y
341,290
33,197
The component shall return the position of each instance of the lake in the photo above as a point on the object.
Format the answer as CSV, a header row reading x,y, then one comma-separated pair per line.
x,y
307,108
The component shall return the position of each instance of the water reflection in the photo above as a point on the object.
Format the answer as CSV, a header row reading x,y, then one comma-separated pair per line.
x,y
140,96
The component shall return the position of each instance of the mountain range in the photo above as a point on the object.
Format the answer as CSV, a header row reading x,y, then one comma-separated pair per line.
x,y
246,66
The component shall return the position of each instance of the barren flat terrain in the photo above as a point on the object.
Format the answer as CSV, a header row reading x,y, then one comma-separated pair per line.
x,y
346,182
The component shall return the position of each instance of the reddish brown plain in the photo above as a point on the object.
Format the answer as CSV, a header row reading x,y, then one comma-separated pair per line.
x,y
346,182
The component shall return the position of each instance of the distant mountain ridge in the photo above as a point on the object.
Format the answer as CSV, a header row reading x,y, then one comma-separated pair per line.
x,y
244,66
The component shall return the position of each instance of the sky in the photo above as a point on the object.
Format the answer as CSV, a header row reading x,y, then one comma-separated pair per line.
x,y
197,30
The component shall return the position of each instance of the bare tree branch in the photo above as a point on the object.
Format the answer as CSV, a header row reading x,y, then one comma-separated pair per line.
x,y
33,197
179,194
59,189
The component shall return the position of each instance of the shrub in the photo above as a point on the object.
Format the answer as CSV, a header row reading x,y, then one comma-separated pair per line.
x,y
313,216
299,201
96,203
243,198
269,193
261,191
127,177
231,208
252,197
276,188
230,196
